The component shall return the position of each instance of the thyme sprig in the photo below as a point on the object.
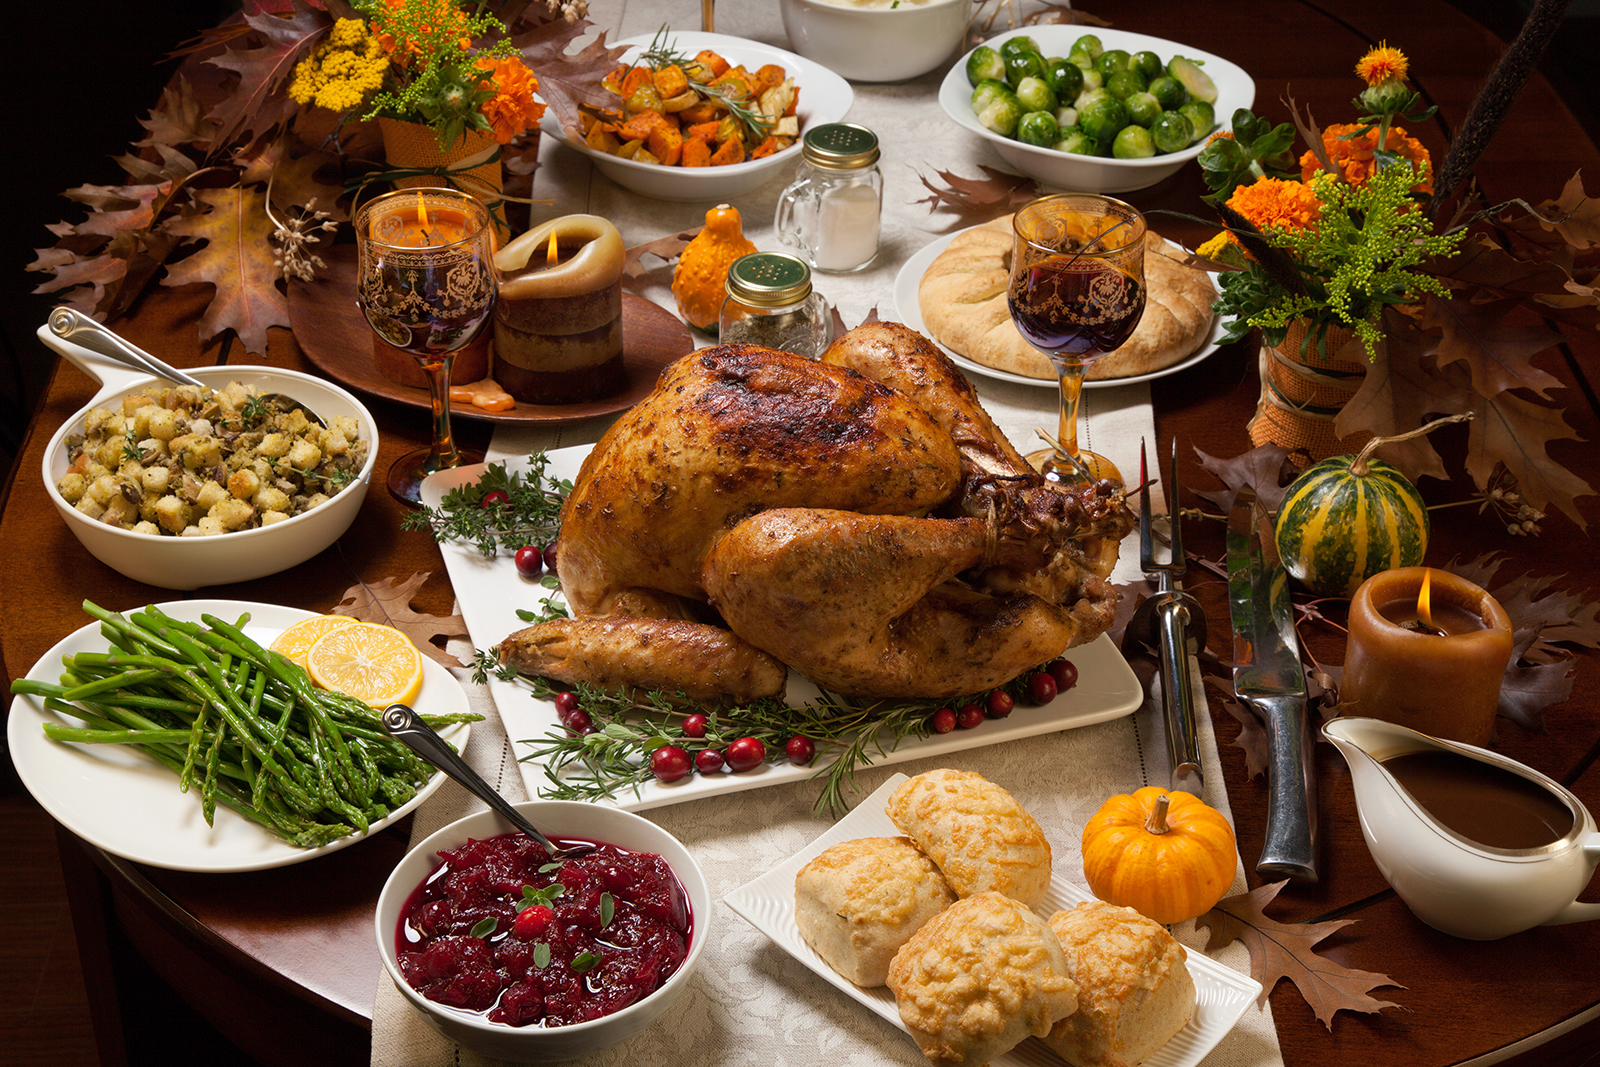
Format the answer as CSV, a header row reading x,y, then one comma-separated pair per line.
x,y
662,53
531,513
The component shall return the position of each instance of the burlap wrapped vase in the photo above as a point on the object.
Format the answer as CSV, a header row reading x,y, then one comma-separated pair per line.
x,y
414,146
1303,389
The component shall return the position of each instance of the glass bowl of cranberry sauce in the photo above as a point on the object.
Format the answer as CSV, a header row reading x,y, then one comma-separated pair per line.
x,y
514,957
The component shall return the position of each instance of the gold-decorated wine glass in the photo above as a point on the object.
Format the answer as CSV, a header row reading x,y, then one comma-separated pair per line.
x,y
427,286
1076,292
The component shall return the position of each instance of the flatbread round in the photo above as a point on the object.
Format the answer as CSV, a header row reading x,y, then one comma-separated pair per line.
x,y
963,301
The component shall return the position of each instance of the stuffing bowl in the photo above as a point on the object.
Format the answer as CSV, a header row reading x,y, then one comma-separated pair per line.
x,y
872,41
562,821
172,562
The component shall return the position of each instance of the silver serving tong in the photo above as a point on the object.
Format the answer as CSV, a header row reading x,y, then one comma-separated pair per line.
x,y
405,725
1170,620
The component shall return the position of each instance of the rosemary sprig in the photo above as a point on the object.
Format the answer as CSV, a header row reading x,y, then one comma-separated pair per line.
x,y
662,53
531,513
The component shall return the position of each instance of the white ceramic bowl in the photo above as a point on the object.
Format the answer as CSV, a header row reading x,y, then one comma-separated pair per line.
x,y
559,819
1094,174
876,44
824,97
197,562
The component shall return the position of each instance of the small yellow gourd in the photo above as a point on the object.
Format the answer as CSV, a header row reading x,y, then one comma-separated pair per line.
x,y
699,282
1168,856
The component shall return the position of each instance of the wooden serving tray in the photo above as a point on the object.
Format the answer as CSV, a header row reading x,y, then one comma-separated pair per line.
x,y
331,330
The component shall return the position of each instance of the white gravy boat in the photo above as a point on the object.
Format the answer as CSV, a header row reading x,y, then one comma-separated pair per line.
x,y
1452,882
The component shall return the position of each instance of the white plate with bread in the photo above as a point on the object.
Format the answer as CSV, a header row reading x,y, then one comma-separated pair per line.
x,y
1221,994
1194,342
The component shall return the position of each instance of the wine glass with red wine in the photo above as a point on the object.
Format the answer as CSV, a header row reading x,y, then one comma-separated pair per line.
x,y
1076,292
427,286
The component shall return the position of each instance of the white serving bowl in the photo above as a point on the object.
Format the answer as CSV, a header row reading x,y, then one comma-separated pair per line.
x,y
222,559
876,44
824,97
1096,174
559,819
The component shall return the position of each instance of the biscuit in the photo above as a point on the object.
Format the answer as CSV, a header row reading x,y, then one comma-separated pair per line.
x,y
976,832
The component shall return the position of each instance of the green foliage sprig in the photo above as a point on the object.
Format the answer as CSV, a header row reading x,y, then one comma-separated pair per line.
x,y
530,515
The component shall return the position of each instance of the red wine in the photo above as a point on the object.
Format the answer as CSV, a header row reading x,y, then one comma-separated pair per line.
x,y
1075,305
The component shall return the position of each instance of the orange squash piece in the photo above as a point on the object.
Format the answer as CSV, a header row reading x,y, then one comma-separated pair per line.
x,y
766,148
729,151
666,144
641,126
712,62
695,153
769,75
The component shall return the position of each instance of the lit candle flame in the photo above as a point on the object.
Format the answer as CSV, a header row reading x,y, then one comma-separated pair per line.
x,y
552,253
422,212
1425,599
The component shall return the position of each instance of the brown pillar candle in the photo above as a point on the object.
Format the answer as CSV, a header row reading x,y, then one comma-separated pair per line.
x,y
1434,665
558,322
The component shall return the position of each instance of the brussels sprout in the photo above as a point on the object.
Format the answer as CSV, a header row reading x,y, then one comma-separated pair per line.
x,y
1124,83
984,93
1078,143
1143,109
1089,43
1021,65
1087,97
1067,116
1103,118
1038,128
985,62
1169,91
1064,76
1093,79
1111,60
1082,60
1172,132
1001,114
1197,81
1201,115
1147,63
1034,95
1133,142
1020,43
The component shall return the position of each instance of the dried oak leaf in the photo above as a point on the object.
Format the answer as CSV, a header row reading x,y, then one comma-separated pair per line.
x,y
1265,469
255,105
974,196
1498,353
1253,739
294,178
666,249
235,229
1285,950
568,79
389,602
837,324
178,118
1509,430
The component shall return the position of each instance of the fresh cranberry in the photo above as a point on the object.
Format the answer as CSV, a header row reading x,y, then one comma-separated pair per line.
x,y
999,703
970,715
532,921
494,499
1041,687
942,721
800,750
1065,672
694,726
566,702
745,754
550,557
669,763
708,761
578,721
530,562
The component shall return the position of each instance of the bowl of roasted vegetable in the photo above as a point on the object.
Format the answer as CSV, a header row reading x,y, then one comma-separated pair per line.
x,y
181,487
703,116
1093,109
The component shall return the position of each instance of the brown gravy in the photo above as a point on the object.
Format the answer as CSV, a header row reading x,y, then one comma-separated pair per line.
x,y
1482,802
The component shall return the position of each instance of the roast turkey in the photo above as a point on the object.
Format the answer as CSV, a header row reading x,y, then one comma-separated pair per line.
x,y
858,519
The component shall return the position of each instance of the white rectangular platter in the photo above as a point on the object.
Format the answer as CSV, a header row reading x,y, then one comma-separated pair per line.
x,y
767,903
490,592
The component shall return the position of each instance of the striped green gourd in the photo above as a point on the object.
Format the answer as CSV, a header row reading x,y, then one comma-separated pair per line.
x,y
1347,518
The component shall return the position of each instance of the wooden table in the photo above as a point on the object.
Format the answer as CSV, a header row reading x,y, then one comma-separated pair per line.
x,y
281,960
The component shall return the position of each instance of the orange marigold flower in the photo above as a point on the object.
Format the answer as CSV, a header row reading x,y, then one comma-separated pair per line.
x,y
1272,203
513,108
1382,64
1354,156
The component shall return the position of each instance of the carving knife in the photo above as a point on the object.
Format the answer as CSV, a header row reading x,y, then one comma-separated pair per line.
x,y
1269,680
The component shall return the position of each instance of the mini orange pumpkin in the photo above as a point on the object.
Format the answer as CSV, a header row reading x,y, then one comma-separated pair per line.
x,y
1168,856
699,282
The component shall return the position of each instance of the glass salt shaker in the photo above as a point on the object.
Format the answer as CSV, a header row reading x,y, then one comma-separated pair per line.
x,y
828,216
770,302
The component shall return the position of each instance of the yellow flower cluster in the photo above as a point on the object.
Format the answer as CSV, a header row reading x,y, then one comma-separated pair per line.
x,y
1354,156
342,71
513,107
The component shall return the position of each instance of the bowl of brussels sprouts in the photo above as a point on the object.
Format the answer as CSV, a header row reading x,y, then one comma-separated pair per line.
x,y
1104,111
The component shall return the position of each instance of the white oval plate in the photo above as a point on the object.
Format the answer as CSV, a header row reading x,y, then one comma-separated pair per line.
x,y
909,308
117,798
824,97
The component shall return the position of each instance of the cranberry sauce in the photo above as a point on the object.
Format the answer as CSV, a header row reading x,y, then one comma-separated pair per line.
x,y
617,927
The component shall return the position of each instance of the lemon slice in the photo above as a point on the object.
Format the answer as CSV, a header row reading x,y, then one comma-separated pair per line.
x,y
373,663
297,640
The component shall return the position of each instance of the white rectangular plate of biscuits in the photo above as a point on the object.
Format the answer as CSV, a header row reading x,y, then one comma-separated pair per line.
x,y
768,904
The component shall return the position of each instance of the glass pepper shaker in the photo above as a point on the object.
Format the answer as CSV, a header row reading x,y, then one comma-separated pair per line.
x,y
829,214
770,302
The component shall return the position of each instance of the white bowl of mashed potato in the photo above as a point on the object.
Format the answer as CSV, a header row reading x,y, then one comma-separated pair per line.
x,y
877,40
205,526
